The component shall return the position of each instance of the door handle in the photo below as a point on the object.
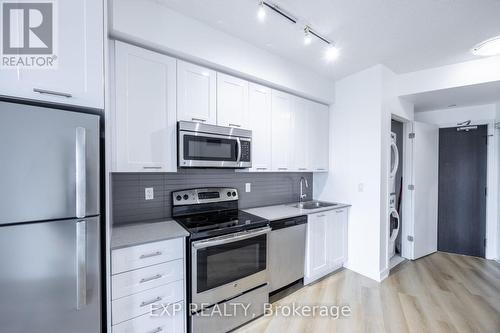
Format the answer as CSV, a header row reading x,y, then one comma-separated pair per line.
x,y
81,264
81,177
51,92
239,150
199,119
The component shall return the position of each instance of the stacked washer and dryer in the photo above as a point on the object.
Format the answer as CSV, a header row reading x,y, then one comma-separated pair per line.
x,y
393,206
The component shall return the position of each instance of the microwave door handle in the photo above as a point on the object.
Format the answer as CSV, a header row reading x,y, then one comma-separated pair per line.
x,y
238,158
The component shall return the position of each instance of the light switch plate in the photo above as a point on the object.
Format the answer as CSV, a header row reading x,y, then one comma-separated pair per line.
x,y
149,193
248,187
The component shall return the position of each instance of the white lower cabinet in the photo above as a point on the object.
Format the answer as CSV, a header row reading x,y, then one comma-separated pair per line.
x,y
148,288
326,243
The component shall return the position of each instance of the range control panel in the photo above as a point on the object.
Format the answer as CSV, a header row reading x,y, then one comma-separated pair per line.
x,y
204,195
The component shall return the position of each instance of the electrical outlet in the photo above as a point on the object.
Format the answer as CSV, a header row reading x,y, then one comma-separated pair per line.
x,y
248,187
149,193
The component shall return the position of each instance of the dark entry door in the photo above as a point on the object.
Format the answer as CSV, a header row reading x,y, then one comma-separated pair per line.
x,y
462,190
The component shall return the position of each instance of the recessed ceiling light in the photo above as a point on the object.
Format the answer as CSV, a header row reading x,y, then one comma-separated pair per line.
x,y
261,13
488,47
331,53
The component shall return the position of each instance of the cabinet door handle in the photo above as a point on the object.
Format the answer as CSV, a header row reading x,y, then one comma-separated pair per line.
x,y
302,168
149,255
152,167
156,277
146,303
199,119
261,168
282,168
320,215
234,125
320,169
339,211
156,330
51,92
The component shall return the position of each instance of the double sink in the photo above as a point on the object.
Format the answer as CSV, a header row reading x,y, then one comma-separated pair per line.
x,y
314,204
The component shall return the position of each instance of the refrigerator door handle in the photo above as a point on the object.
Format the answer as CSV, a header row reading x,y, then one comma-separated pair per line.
x,y
81,176
81,264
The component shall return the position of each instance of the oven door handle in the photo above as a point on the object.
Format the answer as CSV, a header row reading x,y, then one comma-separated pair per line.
x,y
229,239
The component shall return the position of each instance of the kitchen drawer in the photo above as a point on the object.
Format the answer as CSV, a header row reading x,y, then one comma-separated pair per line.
x,y
134,257
126,308
167,323
138,280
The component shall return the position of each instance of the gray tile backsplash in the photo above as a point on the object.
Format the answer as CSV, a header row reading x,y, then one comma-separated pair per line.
x,y
130,206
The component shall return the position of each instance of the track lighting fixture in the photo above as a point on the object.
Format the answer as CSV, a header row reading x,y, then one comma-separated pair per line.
x,y
307,36
261,13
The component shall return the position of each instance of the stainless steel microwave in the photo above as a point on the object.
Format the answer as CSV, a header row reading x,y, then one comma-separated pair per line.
x,y
210,146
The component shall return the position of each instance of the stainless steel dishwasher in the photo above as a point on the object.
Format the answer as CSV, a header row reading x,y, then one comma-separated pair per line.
x,y
287,247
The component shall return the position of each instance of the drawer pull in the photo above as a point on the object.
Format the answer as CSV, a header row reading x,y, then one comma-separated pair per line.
x,y
198,119
156,330
146,303
145,256
320,169
282,168
339,211
234,125
156,277
51,92
321,215
151,167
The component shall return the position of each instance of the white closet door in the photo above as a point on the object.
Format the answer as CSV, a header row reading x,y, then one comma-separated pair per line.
x,y
196,93
425,194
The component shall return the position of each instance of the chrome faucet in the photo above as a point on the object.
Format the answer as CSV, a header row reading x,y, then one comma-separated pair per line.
x,y
302,195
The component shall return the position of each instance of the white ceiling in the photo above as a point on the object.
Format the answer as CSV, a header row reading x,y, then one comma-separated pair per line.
x,y
484,93
405,35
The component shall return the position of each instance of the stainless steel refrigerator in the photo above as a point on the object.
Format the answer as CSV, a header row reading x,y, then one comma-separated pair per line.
x,y
49,220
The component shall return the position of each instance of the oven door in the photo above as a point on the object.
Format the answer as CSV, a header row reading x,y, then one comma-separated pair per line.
x,y
226,266
210,150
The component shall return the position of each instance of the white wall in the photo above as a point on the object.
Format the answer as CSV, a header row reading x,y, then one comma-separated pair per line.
x,y
451,76
480,114
152,24
355,161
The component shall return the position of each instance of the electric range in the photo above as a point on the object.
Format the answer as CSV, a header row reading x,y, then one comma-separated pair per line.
x,y
227,257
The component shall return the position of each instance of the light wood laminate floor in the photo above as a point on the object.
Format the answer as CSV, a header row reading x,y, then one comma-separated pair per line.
x,y
439,293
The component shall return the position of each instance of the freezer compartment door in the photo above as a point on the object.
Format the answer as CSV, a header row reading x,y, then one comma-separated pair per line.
x,y
50,280
49,164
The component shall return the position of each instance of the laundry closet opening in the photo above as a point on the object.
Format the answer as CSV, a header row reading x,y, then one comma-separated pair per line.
x,y
395,218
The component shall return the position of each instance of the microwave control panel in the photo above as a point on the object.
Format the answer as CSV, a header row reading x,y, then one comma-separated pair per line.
x,y
245,151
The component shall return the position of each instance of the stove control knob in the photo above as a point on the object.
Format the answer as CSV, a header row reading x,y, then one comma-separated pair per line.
x,y
228,194
234,194
178,198
185,197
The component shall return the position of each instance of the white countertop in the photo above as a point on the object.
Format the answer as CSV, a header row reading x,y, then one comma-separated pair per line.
x,y
145,232
279,212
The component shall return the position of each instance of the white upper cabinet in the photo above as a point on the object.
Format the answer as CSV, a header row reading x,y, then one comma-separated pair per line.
x,y
260,117
144,136
319,137
196,93
232,101
282,139
301,134
78,77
